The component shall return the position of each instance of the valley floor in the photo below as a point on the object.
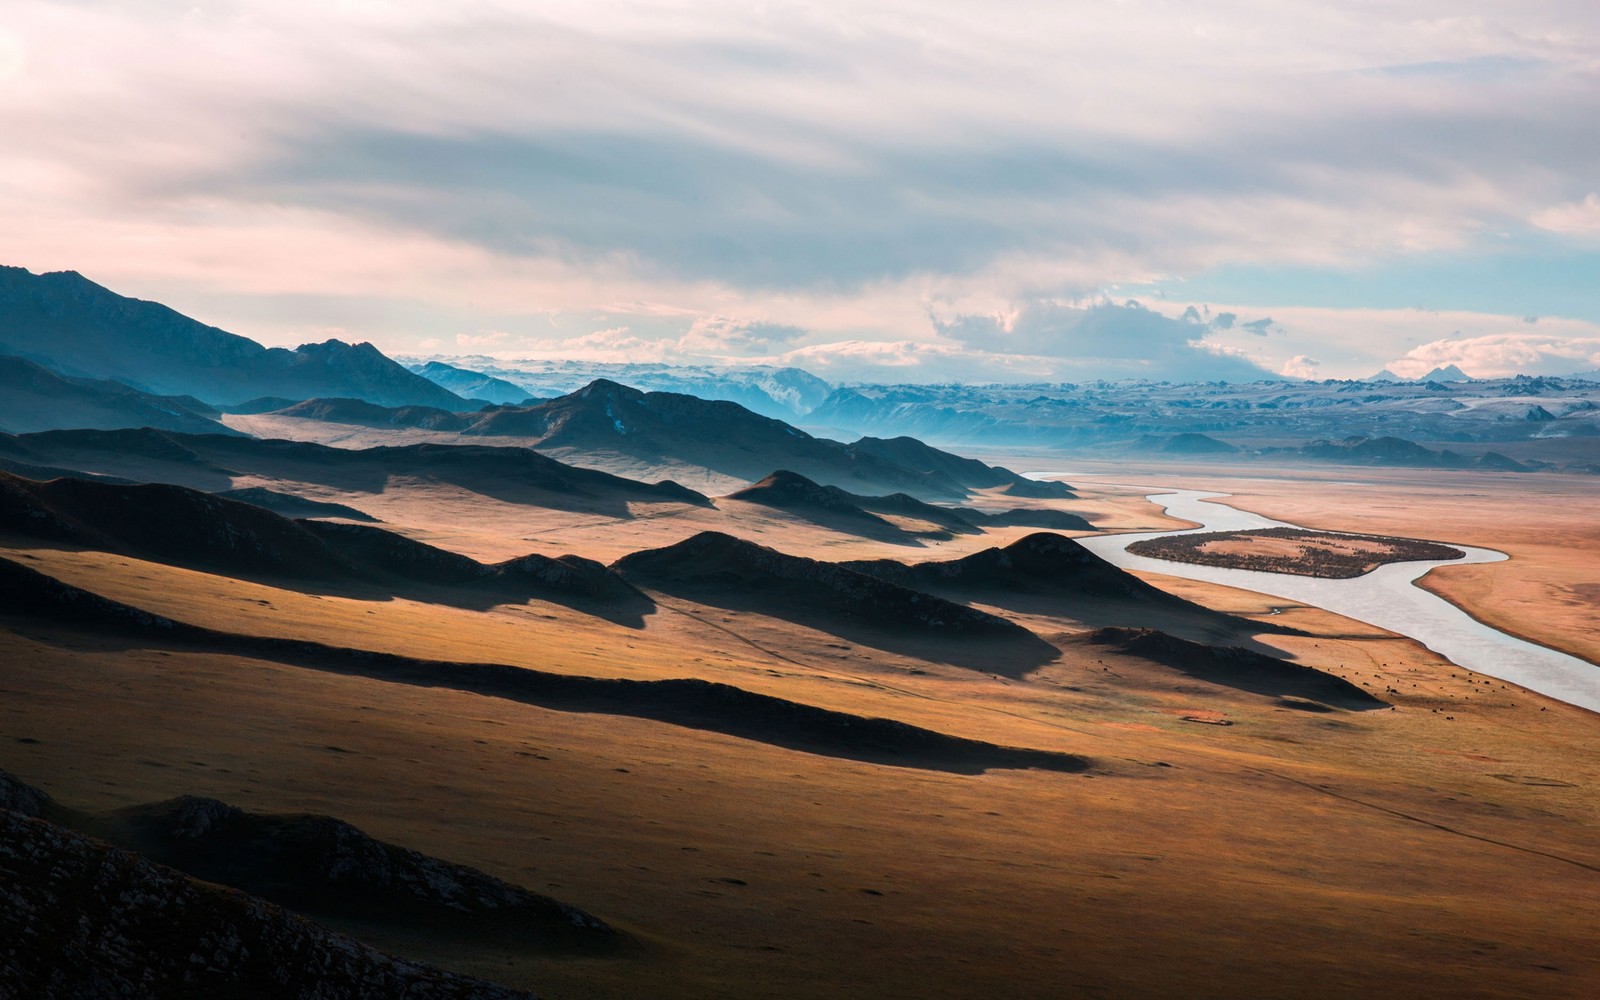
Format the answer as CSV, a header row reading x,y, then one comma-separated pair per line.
x,y
1222,843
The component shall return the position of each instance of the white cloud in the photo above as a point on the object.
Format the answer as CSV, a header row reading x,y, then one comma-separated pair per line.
x,y
1300,366
1503,354
485,340
1580,217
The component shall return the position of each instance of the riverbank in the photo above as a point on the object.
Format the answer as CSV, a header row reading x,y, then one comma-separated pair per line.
x,y
1386,597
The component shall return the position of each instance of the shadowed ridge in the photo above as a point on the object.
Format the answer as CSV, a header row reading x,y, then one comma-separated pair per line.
x,y
1041,571
787,490
75,325
144,442
325,867
717,561
1030,517
491,470
566,579
793,492
722,571
34,398
914,454
952,521
606,417
692,703
568,574
291,505
183,527
394,554
87,920
339,410
167,523
1042,560
1234,667
22,798
1038,489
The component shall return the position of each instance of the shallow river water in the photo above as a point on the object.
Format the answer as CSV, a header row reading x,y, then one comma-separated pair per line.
x,y
1387,597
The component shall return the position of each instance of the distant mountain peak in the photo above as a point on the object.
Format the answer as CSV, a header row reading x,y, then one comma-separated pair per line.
x,y
82,329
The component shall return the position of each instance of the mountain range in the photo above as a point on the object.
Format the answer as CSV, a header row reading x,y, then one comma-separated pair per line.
x,y
782,393
606,424
34,398
75,327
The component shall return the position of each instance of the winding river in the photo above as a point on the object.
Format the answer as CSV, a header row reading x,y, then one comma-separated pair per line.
x,y
1386,597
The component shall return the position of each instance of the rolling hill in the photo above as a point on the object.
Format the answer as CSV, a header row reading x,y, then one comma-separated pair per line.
x,y
209,461
184,527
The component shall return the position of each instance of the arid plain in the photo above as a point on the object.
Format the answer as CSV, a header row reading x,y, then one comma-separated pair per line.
x,y
1240,839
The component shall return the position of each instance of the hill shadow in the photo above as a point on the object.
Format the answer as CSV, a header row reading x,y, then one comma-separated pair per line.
x,y
719,570
31,598
177,526
1235,667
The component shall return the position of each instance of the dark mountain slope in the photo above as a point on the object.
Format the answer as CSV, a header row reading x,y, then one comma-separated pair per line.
x,y
1235,667
1040,562
365,414
168,524
210,461
913,454
184,527
288,504
326,868
85,921
848,512
1030,517
1050,573
719,570
714,561
33,398
470,384
605,417
75,326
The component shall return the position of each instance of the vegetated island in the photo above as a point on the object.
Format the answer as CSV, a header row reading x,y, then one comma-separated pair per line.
x,y
1293,550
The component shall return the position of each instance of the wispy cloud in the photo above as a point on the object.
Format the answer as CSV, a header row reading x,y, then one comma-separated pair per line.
x,y
729,173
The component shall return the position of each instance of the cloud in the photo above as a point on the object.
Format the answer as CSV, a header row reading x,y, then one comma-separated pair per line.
x,y
1503,354
1258,327
723,335
831,168
1580,217
486,340
1301,366
1111,341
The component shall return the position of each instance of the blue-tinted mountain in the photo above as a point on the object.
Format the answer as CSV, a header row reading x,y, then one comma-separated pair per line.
x,y
605,418
471,384
72,325
781,393
33,398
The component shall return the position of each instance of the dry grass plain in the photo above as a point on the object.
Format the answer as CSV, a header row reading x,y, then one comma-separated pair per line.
x,y
1447,848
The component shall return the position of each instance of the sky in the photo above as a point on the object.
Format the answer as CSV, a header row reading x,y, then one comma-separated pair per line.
x,y
897,192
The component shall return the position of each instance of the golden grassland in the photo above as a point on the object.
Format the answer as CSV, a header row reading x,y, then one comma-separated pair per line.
x,y
1445,848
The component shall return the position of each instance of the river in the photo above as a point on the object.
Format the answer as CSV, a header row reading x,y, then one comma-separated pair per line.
x,y
1387,597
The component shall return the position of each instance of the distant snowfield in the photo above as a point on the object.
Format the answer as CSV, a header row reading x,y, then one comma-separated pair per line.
x,y
1388,597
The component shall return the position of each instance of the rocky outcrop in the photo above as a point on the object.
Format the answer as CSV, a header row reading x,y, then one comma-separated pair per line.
x,y
80,920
